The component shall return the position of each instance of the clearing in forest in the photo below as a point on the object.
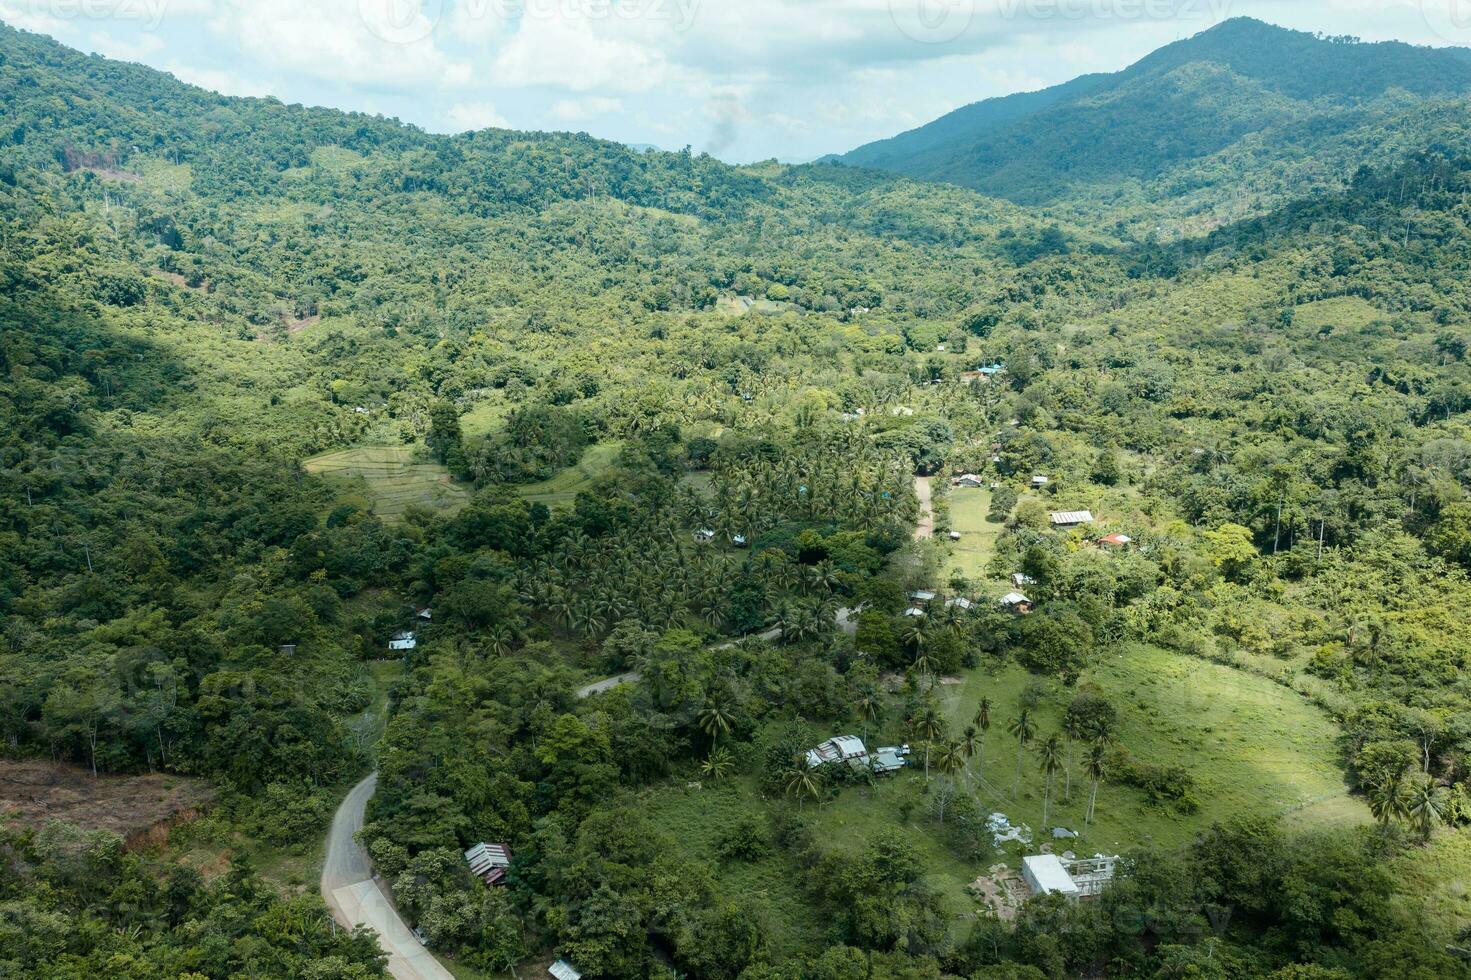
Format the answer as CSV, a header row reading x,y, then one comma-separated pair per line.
x,y
561,490
1249,745
137,808
393,480
972,553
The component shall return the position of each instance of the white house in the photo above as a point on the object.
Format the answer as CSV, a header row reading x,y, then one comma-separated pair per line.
x,y
1021,581
1071,518
1045,874
914,611
969,480
1041,481
960,602
402,640
922,595
704,535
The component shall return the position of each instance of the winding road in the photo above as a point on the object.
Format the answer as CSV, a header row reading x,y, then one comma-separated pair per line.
x,y
351,890
355,898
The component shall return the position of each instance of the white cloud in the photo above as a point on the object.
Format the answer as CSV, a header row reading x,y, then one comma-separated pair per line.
x,y
369,43
476,115
566,52
590,107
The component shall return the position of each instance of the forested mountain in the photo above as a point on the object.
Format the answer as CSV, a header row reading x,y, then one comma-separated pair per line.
x,y
1181,134
682,403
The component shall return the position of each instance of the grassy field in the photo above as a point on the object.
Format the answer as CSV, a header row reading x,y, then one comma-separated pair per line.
x,y
970,555
561,490
392,480
1436,883
1253,746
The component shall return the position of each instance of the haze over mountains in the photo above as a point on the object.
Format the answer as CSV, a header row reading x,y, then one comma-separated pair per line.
x,y
1244,106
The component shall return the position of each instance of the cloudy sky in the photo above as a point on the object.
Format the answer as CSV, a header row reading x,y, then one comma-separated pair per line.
x,y
742,79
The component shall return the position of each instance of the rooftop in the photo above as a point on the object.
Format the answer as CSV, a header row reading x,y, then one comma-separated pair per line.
x,y
1046,874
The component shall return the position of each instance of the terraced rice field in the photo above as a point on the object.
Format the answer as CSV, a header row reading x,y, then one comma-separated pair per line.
x,y
392,479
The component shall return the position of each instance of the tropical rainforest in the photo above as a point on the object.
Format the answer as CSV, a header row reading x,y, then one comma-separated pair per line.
x,y
639,414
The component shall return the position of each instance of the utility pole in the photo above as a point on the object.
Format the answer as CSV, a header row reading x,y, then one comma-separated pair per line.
x,y
88,549
1321,522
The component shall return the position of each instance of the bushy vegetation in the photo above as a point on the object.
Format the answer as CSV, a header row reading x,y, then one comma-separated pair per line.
x,y
202,294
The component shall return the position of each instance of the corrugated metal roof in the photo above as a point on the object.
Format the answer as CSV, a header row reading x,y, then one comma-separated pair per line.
x,y
1072,517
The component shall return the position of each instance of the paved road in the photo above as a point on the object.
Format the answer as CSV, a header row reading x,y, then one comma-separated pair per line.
x,y
607,684
926,526
355,898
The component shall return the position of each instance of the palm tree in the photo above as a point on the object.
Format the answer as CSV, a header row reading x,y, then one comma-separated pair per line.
x,y
1389,801
1072,730
1051,752
715,718
718,765
951,757
969,739
929,726
1427,807
1023,728
868,705
800,782
982,721
1097,768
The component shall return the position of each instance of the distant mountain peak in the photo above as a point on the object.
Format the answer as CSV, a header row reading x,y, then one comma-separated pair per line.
x,y
1176,106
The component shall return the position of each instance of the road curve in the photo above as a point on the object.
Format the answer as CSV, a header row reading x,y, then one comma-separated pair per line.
x,y
355,898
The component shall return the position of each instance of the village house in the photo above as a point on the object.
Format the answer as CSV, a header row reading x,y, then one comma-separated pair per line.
x,y
562,970
489,862
1115,540
402,640
850,749
1069,876
1040,481
1016,602
969,480
1066,519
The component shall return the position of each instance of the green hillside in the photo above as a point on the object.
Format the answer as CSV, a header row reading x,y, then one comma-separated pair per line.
x,y
1244,109
281,383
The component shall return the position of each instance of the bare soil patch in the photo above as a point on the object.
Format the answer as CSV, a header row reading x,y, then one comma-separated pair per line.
x,y
140,809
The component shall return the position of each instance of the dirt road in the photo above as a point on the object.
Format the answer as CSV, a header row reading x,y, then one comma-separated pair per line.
x,y
355,898
925,528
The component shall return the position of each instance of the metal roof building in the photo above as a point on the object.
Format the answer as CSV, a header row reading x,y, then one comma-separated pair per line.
x,y
1045,874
